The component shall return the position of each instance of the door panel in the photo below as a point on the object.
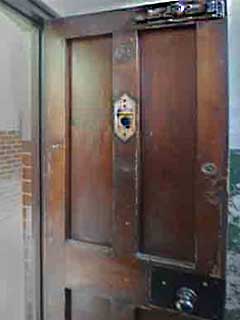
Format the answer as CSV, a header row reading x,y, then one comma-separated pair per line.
x,y
85,308
168,95
121,213
157,314
91,140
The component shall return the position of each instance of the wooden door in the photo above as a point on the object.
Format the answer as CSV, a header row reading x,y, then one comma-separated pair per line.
x,y
129,223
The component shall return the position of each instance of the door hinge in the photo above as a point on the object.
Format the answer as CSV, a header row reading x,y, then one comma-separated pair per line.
x,y
181,11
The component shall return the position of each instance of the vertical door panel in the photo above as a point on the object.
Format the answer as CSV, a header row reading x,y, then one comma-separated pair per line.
x,y
85,308
168,91
91,140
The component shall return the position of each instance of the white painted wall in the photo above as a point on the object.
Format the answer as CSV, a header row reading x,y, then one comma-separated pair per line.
x,y
15,75
15,114
234,71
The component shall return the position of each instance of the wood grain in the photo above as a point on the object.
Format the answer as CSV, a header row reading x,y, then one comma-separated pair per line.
x,y
212,146
91,140
168,81
125,166
180,83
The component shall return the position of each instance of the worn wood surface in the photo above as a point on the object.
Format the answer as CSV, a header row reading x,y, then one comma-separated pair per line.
x,y
91,140
128,206
168,142
125,155
54,186
211,146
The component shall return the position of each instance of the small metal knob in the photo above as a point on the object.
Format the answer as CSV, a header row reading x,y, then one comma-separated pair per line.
x,y
186,299
209,169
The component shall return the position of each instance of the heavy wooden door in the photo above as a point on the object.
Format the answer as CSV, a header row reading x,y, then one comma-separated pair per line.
x,y
135,202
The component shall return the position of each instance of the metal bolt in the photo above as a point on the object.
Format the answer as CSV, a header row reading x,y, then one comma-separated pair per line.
x,y
209,168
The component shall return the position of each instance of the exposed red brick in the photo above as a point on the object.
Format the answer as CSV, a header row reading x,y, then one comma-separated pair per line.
x,y
27,199
27,187
27,173
27,159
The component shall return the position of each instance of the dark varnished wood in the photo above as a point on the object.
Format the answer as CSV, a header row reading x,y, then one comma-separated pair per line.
x,y
122,311
212,146
98,187
168,75
54,162
93,24
96,271
85,307
158,314
125,155
91,140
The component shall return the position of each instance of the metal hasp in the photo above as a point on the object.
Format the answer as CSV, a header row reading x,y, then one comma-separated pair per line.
x,y
187,293
125,117
181,11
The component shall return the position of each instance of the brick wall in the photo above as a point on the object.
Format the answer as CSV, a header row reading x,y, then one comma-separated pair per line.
x,y
26,159
10,154
15,195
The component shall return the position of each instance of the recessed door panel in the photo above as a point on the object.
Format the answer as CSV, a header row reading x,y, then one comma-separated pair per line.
x,y
81,307
91,139
168,93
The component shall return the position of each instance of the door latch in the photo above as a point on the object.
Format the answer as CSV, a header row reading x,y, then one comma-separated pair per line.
x,y
125,117
179,11
198,295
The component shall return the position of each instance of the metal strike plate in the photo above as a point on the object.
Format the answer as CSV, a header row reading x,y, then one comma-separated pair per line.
x,y
181,11
125,117
197,295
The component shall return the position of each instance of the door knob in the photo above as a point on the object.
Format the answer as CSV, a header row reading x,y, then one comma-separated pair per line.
x,y
186,299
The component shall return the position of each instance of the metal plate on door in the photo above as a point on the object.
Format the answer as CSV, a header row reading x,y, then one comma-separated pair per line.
x,y
125,117
193,294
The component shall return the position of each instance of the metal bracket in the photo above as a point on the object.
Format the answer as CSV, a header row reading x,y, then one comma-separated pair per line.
x,y
181,11
202,296
125,117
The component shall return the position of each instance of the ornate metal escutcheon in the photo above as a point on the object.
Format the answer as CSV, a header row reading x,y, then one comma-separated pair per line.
x,y
125,117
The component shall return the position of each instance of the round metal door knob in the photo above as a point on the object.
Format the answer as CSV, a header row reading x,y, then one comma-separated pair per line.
x,y
186,299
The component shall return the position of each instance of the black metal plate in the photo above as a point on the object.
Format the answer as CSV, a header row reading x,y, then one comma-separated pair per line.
x,y
211,291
